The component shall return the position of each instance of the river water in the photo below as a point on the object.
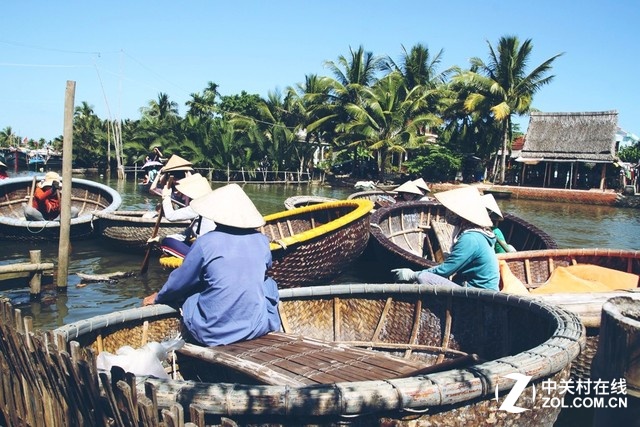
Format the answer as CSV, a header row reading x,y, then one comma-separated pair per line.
x,y
571,225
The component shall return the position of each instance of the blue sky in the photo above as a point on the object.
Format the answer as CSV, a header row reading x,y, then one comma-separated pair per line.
x,y
122,54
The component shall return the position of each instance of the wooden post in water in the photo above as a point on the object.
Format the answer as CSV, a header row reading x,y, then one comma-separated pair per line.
x,y
65,208
36,280
618,359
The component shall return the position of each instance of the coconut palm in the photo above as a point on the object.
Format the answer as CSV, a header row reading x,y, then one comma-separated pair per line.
x,y
8,137
389,118
352,76
418,67
505,87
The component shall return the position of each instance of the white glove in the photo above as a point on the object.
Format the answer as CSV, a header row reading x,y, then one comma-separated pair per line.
x,y
155,239
405,275
166,192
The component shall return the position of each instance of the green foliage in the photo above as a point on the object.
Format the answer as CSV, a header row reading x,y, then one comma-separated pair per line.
x,y
435,163
630,154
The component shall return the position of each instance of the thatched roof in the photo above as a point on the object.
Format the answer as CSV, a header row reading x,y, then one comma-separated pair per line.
x,y
583,137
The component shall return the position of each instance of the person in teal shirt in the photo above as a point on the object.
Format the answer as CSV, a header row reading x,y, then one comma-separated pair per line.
x,y
472,261
495,214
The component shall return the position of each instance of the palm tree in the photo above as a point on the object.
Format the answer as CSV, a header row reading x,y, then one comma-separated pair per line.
x,y
351,77
418,67
389,119
505,86
86,130
8,137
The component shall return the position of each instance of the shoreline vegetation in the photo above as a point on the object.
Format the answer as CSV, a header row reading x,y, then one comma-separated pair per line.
x,y
406,115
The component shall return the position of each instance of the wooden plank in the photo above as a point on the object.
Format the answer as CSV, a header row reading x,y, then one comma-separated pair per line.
x,y
281,359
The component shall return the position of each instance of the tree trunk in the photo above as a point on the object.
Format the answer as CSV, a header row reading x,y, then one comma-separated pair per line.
x,y
503,160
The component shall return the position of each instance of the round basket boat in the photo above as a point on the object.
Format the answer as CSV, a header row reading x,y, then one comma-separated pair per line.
x,y
87,197
305,200
459,344
405,234
534,268
314,244
130,230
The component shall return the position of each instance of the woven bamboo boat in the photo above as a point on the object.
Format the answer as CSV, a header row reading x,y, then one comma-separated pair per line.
x,y
535,267
306,200
314,244
366,354
130,230
87,196
403,235
373,195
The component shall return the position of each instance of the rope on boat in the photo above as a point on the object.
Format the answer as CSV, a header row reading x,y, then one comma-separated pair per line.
x,y
39,231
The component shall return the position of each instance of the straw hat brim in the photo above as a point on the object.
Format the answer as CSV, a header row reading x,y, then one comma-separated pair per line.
x,y
176,162
420,183
49,179
491,204
230,206
466,202
194,186
408,187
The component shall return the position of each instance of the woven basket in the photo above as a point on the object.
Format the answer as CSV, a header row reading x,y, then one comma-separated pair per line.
x,y
419,322
534,268
401,234
302,201
86,197
128,230
314,244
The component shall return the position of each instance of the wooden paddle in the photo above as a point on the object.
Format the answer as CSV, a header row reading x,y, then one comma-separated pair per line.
x,y
145,262
33,189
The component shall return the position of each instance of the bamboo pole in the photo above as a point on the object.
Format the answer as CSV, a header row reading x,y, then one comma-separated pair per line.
x,y
65,209
36,280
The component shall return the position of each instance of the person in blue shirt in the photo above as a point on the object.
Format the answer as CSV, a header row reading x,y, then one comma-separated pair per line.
x,y
472,260
222,284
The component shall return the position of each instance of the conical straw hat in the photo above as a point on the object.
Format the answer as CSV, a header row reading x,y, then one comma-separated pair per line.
x,y
194,186
491,204
466,202
408,187
49,178
421,184
229,205
177,163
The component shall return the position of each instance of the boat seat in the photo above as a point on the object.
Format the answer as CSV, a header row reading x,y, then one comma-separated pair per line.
x,y
293,360
444,233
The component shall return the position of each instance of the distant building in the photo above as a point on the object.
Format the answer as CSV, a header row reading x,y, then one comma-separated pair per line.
x,y
570,146
625,139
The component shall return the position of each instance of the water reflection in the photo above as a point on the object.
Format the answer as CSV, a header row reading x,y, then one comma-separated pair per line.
x,y
576,226
570,224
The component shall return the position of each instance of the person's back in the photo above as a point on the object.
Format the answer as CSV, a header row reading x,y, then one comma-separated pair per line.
x,y
222,285
231,307
474,255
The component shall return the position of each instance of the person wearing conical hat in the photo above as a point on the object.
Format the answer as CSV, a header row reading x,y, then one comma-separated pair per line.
x,y
45,205
407,192
3,171
472,259
424,188
222,285
176,167
495,214
192,187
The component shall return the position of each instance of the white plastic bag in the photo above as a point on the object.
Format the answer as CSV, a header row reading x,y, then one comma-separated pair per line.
x,y
144,361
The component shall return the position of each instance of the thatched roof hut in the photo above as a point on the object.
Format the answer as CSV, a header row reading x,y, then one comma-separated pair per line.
x,y
571,137
584,137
